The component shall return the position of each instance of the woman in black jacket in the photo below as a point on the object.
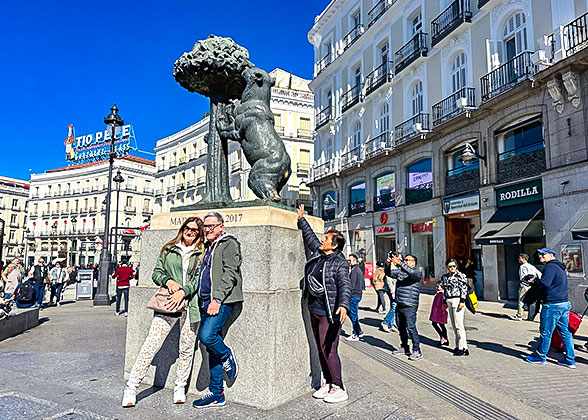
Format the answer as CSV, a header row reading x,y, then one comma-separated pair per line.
x,y
328,289
455,285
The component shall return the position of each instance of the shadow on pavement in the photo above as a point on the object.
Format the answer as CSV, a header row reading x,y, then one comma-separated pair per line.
x,y
372,322
494,315
497,348
147,392
377,342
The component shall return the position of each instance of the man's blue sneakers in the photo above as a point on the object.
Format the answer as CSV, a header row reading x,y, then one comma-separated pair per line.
x,y
210,400
565,363
230,366
534,359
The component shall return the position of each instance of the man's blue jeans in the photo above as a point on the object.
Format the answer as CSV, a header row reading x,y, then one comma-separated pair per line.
x,y
210,335
555,315
354,315
391,315
39,292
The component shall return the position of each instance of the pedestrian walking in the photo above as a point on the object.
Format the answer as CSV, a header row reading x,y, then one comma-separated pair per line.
x,y
555,312
527,272
408,278
57,276
122,275
455,286
387,324
327,288
379,284
220,290
357,282
177,269
40,275
438,315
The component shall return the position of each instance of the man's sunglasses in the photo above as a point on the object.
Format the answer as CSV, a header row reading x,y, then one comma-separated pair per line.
x,y
210,227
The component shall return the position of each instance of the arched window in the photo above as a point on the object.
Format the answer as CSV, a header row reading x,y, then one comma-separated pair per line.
x,y
356,138
357,198
419,181
417,98
385,193
459,72
514,35
384,118
329,204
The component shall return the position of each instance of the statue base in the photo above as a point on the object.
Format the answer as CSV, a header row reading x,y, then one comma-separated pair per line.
x,y
270,337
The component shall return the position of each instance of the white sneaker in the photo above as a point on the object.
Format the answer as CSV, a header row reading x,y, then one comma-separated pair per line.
x,y
322,392
385,327
126,314
179,394
352,337
116,313
129,397
336,395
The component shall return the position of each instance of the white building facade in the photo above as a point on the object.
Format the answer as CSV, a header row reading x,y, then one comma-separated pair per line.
x,y
66,212
181,157
404,88
14,194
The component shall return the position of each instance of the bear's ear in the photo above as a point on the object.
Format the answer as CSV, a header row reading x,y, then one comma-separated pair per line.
x,y
272,81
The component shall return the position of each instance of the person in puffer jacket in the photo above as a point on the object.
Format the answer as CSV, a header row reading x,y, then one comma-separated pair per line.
x,y
327,287
408,278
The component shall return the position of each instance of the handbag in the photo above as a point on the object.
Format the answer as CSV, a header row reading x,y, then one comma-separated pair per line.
x,y
471,301
161,297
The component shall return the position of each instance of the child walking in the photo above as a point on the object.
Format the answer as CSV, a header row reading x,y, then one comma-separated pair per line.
x,y
439,315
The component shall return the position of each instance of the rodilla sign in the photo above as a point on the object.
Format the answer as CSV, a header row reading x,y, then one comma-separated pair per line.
x,y
96,147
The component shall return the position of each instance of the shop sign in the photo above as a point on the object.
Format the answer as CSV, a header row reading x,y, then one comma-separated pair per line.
x,y
519,194
461,204
96,147
425,227
384,229
383,218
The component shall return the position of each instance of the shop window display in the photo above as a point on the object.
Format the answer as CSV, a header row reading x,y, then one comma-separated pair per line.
x,y
357,198
385,194
421,246
419,182
328,204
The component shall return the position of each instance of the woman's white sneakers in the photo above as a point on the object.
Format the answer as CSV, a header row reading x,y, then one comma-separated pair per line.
x,y
179,395
129,397
322,392
336,395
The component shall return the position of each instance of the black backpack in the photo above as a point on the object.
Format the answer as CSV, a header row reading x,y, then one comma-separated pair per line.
x,y
25,293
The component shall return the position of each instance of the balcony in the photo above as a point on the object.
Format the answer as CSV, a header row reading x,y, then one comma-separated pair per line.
x,y
201,181
159,192
280,130
461,101
131,187
521,163
160,168
191,183
457,13
34,214
67,192
91,209
46,214
351,158
76,191
417,125
350,98
379,145
181,187
303,133
202,152
236,167
302,169
413,49
94,188
65,212
192,156
181,160
356,208
323,170
130,209
323,117
34,195
576,33
462,179
352,36
378,10
173,163
147,211
148,190
170,189
385,201
379,76
511,73
323,63
86,190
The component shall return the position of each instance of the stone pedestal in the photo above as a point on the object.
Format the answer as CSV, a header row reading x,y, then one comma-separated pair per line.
x,y
269,336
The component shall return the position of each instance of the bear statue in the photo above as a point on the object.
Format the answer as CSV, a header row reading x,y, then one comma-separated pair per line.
x,y
250,121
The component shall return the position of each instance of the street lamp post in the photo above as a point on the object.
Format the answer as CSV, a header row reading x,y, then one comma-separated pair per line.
x,y
113,120
74,221
118,179
54,228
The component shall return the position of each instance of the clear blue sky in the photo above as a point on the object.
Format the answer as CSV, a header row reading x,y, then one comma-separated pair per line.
x,y
67,62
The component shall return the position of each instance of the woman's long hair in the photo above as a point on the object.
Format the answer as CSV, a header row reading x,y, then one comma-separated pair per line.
x,y
198,241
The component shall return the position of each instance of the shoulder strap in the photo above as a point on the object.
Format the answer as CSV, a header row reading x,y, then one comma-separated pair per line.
x,y
193,271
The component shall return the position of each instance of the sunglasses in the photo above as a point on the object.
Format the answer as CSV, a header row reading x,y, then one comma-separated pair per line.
x,y
189,229
408,259
452,266
210,227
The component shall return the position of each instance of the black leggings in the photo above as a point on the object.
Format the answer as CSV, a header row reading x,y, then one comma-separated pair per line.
x,y
441,330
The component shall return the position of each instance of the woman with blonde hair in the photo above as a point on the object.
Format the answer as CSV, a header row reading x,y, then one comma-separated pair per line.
x,y
177,269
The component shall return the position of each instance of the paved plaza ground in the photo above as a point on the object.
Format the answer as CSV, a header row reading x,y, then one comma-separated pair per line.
x,y
70,367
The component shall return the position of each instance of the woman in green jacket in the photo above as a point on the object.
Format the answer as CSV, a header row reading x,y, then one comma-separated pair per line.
x,y
178,269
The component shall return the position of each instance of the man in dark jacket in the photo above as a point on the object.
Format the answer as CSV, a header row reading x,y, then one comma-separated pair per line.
x,y
357,285
219,290
555,312
327,288
408,278
40,274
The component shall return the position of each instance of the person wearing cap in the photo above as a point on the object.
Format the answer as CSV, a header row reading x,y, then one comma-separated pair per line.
x,y
555,312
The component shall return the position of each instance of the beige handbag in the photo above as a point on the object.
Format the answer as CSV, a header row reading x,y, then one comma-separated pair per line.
x,y
161,297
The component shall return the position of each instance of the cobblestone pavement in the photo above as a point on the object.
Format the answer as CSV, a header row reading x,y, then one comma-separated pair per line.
x,y
70,367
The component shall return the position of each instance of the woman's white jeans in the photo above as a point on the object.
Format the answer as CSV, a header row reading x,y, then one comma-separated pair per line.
x,y
457,317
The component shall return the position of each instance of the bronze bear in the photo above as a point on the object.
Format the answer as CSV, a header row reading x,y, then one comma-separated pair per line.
x,y
251,122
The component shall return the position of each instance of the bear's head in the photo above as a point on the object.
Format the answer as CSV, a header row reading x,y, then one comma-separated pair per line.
x,y
258,85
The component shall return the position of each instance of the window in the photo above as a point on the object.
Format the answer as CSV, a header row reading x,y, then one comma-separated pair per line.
x,y
13,219
305,125
384,118
355,19
329,204
15,203
329,98
384,52
95,203
416,23
459,72
146,204
12,237
357,198
514,35
131,182
278,120
356,137
524,138
57,206
67,206
357,74
385,193
129,201
330,152
419,182
417,98
35,208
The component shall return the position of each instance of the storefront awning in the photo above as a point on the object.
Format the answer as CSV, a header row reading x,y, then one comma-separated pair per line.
x,y
580,229
507,225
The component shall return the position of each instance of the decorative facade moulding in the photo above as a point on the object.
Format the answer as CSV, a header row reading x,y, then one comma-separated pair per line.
x,y
571,82
554,89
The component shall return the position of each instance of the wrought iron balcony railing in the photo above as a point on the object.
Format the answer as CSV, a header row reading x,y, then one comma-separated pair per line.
x,y
453,105
323,117
302,169
409,52
385,201
350,98
457,13
379,76
352,36
236,166
323,170
201,181
418,195
462,179
378,10
379,145
576,33
303,133
324,62
506,76
419,124
351,158
522,162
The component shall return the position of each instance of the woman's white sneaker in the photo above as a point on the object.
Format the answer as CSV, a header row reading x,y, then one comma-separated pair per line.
x,y
129,397
336,395
322,392
179,395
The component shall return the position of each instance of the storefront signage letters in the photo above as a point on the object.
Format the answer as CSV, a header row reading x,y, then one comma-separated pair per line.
x,y
518,194
384,229
461,204
95,147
